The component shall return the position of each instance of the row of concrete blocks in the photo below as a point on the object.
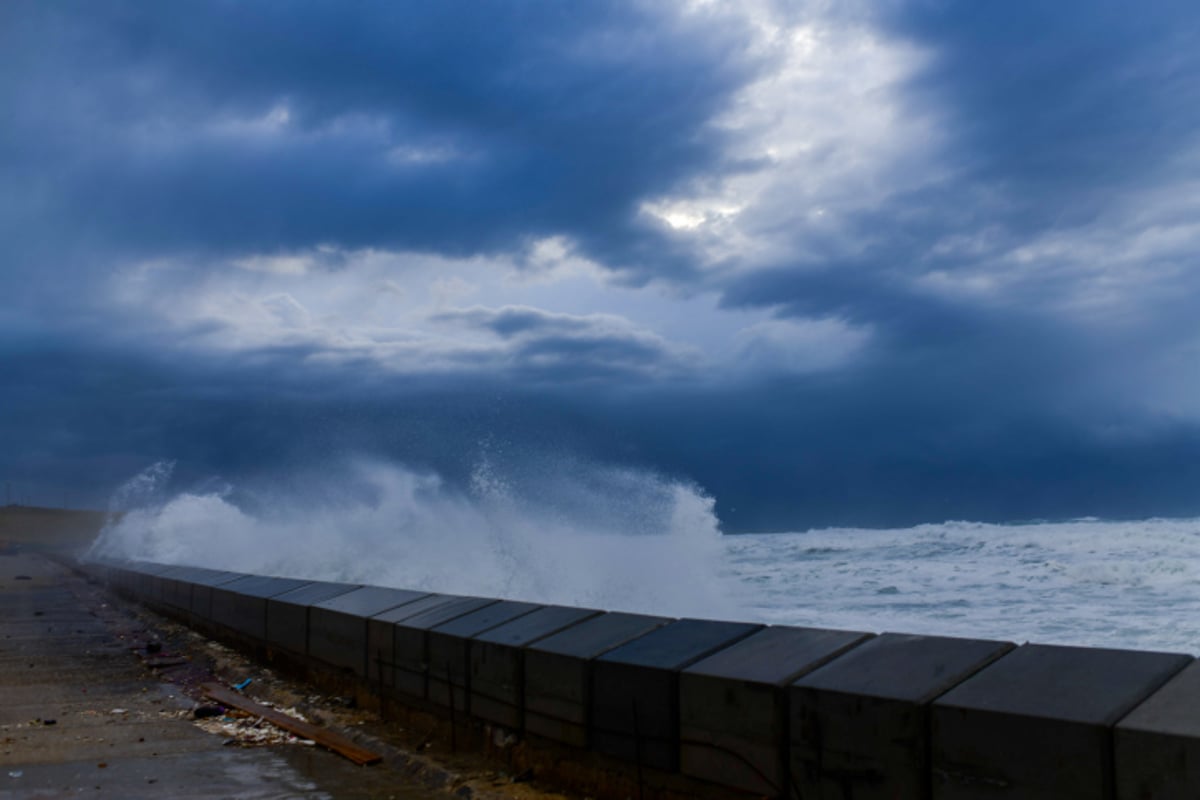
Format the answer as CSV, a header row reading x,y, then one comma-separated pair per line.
x,y
769,711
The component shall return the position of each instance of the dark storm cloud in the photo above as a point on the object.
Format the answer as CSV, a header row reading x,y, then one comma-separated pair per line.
x,y
1066,98
1074,124
563,348
1057,119
451,127
783,455
193,133
517,320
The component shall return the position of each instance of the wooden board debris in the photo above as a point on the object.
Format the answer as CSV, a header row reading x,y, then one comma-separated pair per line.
x,y
326,738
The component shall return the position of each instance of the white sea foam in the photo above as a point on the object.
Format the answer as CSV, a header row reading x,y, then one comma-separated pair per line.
x,y
571,533
1087,582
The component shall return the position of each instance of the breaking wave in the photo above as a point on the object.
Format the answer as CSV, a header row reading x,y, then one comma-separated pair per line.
x,y
562,531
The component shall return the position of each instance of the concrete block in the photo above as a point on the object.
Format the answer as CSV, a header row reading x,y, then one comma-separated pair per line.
x,y
287,613
635,689
202,586
381,637
120,576
1037,723
410,676
449,650
558,673
1157,745
337,627
172,589
133,575
497,660
859,726
733,721
145,582
241,604
178,585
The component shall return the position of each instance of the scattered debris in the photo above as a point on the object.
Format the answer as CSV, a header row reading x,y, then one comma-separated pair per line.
x,y
204,712
16,773
241,685
246,731
326,738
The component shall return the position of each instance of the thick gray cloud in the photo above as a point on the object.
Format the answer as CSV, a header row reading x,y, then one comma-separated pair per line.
x,y
852,265
452,127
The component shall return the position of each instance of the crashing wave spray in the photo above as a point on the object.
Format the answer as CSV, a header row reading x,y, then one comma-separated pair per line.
x,y
561,531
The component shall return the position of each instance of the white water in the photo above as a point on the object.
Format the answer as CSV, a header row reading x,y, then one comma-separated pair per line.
x,y
587,535
616,538
1088,582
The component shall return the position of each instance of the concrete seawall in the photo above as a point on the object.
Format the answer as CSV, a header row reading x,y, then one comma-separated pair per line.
x,y
690,707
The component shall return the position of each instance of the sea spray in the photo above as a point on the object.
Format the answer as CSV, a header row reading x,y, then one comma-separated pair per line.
x,y
569,532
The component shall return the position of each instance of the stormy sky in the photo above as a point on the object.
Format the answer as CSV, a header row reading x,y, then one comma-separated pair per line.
x,y
853,263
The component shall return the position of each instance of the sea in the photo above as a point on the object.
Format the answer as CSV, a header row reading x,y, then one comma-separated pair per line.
x,y
631,540
1128,584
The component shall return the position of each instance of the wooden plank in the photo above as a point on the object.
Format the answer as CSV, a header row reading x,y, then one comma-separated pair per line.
x,y
326,738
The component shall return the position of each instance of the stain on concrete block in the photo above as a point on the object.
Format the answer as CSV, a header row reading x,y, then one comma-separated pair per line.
x,y
733,705
635,689
449,650
558,673
337,627
410,637
144,580
1038,723
381,637
497,661
172,590
860,724
241,604
203,585
287,613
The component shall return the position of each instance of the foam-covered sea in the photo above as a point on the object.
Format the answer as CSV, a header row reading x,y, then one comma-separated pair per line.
x,y
575,533
1086,582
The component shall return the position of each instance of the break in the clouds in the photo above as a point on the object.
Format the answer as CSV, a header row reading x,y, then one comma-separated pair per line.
x,y
835,262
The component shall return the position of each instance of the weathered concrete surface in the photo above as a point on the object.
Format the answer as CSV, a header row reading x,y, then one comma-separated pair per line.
x,y
381,638
449,650
635,689
80,715
287,614
410,636
860,724
1158,743
241,604
1036,725
498,660
558,673
337,628
733,705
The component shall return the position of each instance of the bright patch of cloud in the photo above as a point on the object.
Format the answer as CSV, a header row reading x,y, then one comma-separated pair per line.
x,y
272,122
411,312
823,136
